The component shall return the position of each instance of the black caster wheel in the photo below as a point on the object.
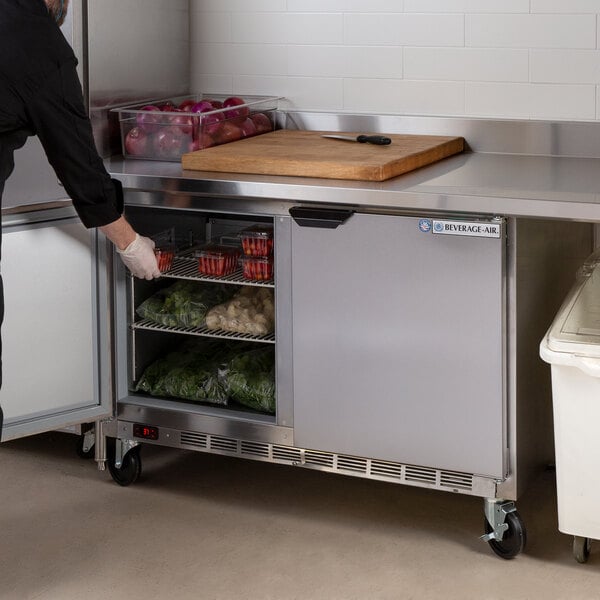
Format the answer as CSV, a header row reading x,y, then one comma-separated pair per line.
x,y
81,452
514,540
581,548
131,467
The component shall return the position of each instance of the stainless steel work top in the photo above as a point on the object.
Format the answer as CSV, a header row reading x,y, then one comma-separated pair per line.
x,y
511,168
486,183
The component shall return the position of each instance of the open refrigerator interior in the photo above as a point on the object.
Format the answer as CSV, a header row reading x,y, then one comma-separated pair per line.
x,y
203,334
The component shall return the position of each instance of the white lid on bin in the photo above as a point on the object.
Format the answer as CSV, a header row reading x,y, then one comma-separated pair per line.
x,y
576,327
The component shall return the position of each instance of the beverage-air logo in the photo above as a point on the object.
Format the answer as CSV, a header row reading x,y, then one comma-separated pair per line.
x,y
425,225
471,228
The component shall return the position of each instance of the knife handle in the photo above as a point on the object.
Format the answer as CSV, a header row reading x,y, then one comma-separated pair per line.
x,y
379,140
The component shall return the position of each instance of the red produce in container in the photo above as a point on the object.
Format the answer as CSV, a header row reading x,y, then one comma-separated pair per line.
x,y
262,122
137,142
183,120
167,106
210,122
257,240
164,256
202,106
150,119
217,260
204,141
237,111
227,132
257,268
248,128
186,105
169,142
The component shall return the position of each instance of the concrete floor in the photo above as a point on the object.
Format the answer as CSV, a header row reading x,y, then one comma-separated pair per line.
x,y
199,526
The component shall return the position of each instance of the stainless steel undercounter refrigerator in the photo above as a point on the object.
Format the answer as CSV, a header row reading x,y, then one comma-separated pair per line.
x,y
402,345
391,331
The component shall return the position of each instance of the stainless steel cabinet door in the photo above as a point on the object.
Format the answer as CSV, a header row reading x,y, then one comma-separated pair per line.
x,y
398,344
52,362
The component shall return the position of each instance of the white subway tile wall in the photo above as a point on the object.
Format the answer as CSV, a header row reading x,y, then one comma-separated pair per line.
x,y
523,59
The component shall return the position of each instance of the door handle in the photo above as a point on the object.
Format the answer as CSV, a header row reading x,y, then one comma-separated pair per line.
x,y
324,218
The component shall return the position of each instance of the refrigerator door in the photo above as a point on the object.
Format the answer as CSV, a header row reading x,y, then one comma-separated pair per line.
x,y
398,342
55,357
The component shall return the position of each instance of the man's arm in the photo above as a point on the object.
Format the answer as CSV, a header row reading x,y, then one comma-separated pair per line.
x,y
57,114
119,232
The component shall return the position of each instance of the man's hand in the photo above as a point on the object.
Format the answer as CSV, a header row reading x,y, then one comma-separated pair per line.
x,y
139,258
136,252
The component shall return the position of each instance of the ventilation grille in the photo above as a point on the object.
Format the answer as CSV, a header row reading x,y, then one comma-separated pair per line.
x,y
386,469
321,459
421,474
255,449
189,438
223,444
456,481
336,463
287,454
351,463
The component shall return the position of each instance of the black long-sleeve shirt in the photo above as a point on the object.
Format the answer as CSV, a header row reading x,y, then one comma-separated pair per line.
x,y
40,94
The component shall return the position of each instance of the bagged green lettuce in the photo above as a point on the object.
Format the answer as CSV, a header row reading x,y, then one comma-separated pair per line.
x,y
215,372
184,304
249,378
190,373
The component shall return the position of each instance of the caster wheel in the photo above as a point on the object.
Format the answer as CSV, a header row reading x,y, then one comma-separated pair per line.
x,y
131,467
514,540
81,452
581,548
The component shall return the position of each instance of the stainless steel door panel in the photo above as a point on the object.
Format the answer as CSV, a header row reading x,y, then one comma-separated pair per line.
x,y
55,357
398,344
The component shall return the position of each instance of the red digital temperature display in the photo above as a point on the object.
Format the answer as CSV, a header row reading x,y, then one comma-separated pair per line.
x,y
145,432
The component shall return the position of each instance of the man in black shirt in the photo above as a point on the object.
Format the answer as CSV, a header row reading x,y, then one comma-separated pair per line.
x,y
40,94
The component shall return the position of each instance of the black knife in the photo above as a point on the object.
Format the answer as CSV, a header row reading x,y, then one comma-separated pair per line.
x,y
378,140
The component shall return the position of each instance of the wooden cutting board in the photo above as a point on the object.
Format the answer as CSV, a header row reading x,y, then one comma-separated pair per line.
x,y
307,154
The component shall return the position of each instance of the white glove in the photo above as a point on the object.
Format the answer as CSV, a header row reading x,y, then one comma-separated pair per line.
x,y
139,258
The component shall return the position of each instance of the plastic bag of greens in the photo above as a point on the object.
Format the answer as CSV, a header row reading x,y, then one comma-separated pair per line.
x,y
152,377
249,379
184,304
190,373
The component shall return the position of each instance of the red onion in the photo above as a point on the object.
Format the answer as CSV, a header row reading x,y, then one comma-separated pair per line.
x,y
262,122
168,142
137,142
227,132
236,114
248,128
202,106
150,119
184,121
186,105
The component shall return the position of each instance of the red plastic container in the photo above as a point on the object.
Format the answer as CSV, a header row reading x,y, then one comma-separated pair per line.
x,y
217,260
257,240
257,268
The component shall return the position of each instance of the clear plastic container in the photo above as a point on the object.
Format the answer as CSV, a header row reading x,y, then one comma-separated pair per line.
x,y
217,260
257,240
166,129
164,255
257,268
